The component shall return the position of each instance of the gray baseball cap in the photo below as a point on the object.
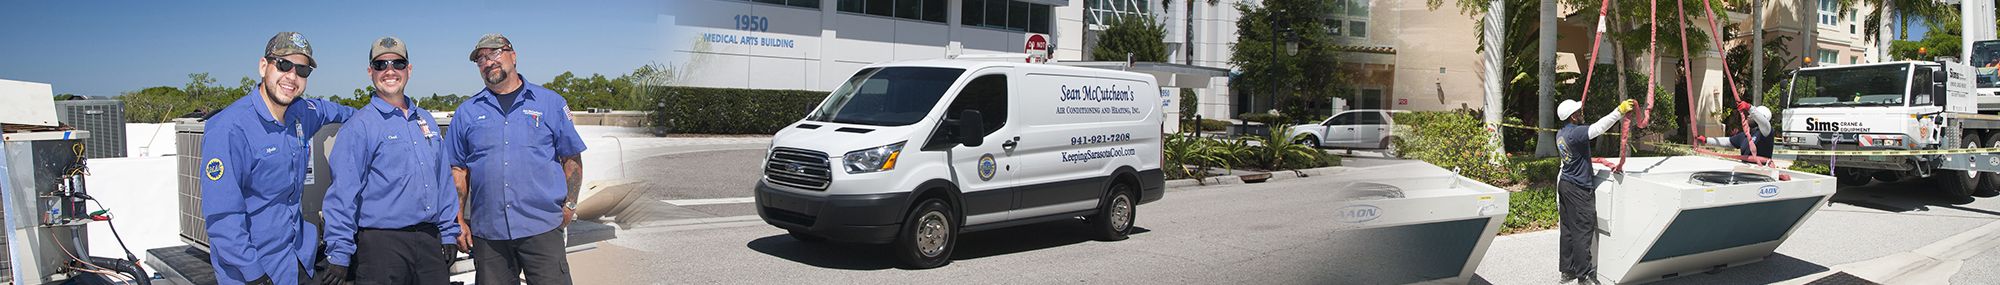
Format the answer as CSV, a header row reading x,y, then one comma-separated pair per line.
x,y
489,41
289,43
387,45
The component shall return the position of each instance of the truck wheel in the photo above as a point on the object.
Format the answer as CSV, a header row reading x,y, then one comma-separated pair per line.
x,y
928,235
1960,184
1113,221
806,237
1852,177
1989,184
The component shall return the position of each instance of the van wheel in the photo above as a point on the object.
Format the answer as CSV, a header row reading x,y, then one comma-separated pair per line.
x,y
1309,140
1989,184
1959,184
806,237
1113,221
928,235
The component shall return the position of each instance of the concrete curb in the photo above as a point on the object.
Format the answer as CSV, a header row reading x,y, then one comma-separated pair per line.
x,y
1274,176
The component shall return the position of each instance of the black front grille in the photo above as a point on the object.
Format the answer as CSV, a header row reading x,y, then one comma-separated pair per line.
x,y
798,168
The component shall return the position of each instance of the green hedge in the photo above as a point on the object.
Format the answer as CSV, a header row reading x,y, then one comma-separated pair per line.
x,y
1453,140
695,110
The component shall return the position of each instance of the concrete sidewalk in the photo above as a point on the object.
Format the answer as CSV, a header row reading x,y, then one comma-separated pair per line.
x,y
1883,247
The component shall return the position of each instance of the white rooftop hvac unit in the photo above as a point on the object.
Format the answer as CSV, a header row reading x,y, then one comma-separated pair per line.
x,y
1413,223
1669,216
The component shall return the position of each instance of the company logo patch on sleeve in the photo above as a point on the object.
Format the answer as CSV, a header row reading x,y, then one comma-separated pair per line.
x,y
213,169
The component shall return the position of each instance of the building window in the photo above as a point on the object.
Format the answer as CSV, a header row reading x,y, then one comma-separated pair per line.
x,y
1354,13
794,3
1829,12
1853,59
1007,15
1099,13
1852,23
921,10
1828,57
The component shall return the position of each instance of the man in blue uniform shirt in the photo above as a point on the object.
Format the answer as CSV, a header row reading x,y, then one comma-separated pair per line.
x,y
516,160
254,157
1576,189
392,199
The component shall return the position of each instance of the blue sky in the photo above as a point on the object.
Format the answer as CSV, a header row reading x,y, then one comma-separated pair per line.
x,y
103,48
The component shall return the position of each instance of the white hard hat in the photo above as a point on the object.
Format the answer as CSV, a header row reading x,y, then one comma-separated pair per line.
x,y
1761,114
1567,108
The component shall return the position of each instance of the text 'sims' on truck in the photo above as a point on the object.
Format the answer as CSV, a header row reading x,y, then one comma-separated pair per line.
x,y
913,154
1902,105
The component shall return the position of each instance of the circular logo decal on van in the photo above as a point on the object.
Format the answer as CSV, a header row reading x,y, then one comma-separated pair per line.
x,y
986,167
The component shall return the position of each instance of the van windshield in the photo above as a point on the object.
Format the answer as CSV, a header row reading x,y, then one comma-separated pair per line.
x,y
890,96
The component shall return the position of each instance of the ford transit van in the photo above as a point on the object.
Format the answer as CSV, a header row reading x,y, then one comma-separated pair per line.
x,y
913,154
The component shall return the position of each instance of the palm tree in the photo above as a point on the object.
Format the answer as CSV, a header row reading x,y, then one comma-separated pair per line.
x,y
1900,12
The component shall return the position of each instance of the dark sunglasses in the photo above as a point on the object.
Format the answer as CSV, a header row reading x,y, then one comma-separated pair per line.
x,y
285,65
398,64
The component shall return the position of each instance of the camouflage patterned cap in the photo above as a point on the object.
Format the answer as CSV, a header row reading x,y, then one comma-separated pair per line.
x,y
290,43
489,41
387,45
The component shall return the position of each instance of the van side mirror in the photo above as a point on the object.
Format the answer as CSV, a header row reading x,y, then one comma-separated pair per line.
x,y
1938,76
971,128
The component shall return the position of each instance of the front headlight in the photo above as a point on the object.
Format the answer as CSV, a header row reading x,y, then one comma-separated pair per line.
x,y
881,158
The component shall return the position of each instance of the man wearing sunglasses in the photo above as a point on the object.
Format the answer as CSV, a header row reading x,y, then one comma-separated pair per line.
x,y
391,201
254,158
515,157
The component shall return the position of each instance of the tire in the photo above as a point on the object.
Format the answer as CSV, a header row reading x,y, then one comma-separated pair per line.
x,y
930,233
1889,176
1989,183
1852,177
1959,184
806,237
1114,217
1389,146
1310,140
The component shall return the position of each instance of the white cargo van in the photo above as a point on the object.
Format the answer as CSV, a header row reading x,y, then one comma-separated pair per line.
x,y
915,153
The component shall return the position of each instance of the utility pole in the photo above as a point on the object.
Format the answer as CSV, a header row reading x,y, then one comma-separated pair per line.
x,y
1545,81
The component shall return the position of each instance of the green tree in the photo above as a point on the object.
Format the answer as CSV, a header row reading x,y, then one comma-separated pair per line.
x,y
1139,36
1262,53
1942,40
441,103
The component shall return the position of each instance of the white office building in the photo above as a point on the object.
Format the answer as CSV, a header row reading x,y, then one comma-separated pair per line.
x,y
816,44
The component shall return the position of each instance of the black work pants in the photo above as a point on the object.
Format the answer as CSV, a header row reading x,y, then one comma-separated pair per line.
x,y
541,258
410,255
1578,207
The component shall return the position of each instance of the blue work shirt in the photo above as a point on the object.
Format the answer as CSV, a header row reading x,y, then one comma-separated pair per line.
x,y
388,173
516,183
1573,143
254,170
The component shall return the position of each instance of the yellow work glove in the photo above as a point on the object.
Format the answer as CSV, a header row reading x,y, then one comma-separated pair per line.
x,y
1626,107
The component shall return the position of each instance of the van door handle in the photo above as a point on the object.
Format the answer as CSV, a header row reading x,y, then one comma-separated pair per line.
x,y
1009,144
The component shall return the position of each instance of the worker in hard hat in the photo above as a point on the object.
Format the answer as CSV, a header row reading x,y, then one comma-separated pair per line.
x,y
1576,189
1760,137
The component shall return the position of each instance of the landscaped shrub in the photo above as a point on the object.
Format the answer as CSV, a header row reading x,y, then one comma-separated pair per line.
x,y
1452,140
694,110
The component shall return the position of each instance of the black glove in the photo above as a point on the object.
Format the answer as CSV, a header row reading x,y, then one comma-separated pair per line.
x,y
450,253
332,275
261,280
